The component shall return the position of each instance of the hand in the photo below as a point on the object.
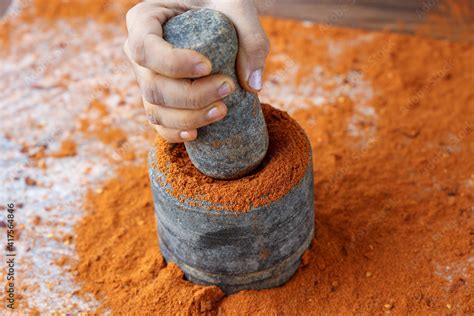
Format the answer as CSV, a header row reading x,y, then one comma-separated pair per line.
x,y
179,95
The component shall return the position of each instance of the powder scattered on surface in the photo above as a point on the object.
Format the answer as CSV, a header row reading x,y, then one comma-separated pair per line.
x,y
105,131
68,149
283,167
394,201
101,10
393,211
119,256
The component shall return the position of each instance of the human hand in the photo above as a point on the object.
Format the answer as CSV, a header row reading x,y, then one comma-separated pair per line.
x,y
179,95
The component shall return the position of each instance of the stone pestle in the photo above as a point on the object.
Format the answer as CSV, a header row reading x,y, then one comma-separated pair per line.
x,y
236,145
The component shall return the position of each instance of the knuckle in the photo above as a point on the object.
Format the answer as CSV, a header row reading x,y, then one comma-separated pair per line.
x,y
153,117
260,46
192,101
154,120
187,123
134,12
140,7
138,54
169,68
129,17
152,93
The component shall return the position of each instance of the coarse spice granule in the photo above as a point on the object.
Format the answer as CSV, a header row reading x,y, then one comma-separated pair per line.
x,y
283,167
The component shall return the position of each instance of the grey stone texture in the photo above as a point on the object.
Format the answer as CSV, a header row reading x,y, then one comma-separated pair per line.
x,y
234,146
257,249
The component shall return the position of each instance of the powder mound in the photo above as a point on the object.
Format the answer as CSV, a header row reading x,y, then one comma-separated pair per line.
x,y
283,167
120,262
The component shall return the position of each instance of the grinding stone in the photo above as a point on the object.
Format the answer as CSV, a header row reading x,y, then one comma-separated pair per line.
x,y
234,146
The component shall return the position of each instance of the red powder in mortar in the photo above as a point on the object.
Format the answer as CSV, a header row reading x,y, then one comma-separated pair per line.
x,y
283,167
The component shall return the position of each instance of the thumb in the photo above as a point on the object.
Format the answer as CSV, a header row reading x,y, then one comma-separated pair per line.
x,y
253,43
253,51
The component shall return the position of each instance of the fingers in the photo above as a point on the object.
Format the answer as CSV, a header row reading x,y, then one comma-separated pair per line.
x,y
186,94
147,48
253,44
181,119
251,61
175,135
182,93
163,58
176,104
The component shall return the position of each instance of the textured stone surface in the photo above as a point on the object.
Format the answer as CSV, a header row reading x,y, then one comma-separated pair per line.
x,y
260,248
257,249
236,250
234,146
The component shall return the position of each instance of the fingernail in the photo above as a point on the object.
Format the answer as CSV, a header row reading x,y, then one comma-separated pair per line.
x,y
214,113
185,135
255,80
224,89
201,69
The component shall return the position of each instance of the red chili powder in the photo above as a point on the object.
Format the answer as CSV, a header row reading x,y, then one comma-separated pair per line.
x,y
120,262
394,220
68,149
283,167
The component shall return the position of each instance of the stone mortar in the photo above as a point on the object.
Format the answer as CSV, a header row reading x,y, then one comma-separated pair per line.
x,y
236,145
236,249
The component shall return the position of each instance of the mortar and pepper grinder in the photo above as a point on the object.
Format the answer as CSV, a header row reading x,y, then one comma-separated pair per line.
x,y
221,247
